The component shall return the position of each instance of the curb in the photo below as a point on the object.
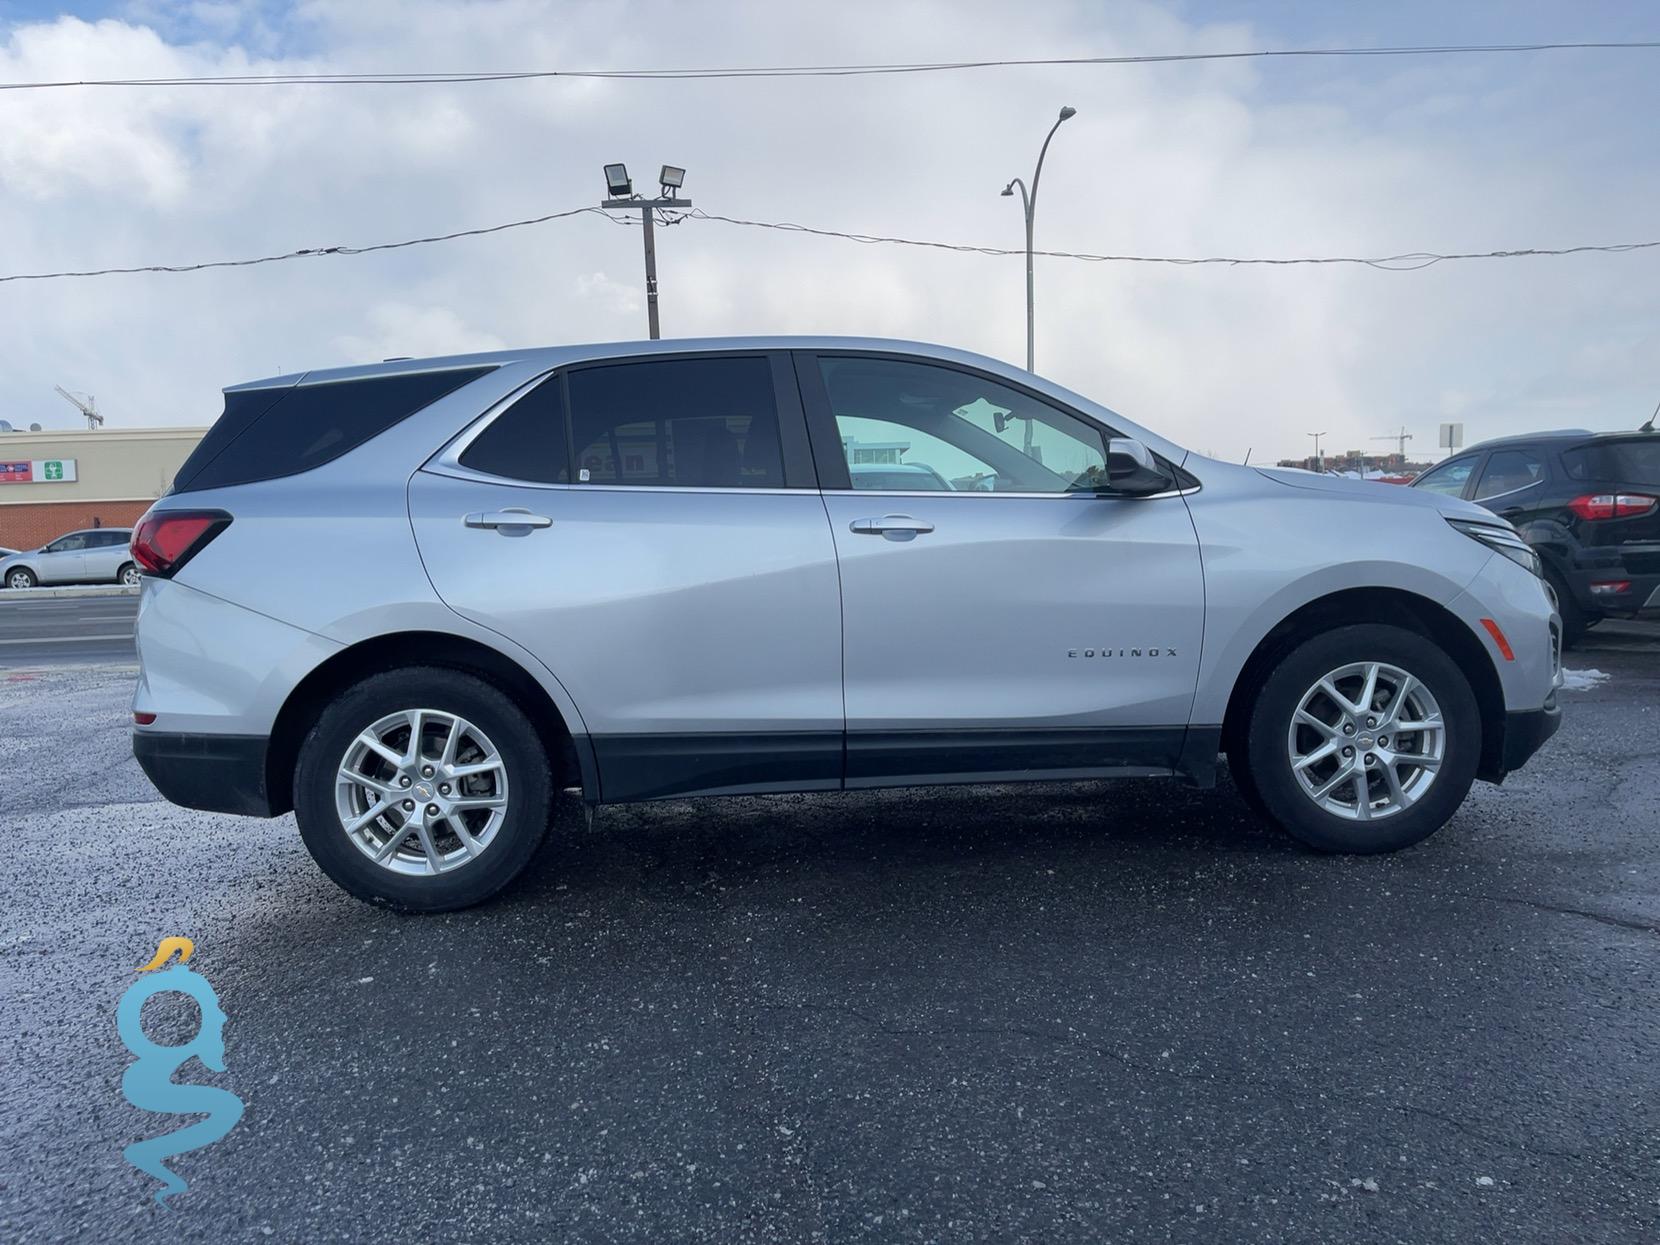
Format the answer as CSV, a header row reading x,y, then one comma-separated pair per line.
x,y
53,594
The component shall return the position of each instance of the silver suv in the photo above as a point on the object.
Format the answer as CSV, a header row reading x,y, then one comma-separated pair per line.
x,y
413,601
97,555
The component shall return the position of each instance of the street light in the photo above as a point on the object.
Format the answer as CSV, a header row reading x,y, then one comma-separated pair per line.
x,y
621,197
1028,203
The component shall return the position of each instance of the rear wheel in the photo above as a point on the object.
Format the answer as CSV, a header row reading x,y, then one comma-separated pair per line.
x,y
425,789
127,576
20,577
1364,739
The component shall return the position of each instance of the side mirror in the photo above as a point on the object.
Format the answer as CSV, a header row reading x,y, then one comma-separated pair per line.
x,y
1132,471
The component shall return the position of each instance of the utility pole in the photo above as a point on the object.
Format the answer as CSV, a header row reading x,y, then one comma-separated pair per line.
x,y
1028,203
621,191
1319,463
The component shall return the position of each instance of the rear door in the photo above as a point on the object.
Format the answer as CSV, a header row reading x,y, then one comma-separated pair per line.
x,y
106,553
650,529
1013,622
1512,483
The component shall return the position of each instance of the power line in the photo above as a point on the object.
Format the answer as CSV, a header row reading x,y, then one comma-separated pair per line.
x,y
1391,263
309,252
346,78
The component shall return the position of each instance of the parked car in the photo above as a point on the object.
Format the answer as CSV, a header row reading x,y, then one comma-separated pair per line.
x,y
414,600
1587,503
96,555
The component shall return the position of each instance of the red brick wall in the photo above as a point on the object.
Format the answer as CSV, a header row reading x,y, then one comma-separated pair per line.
x,y
34,523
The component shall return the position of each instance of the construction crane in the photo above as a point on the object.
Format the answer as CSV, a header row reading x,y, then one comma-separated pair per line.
x,y
86,402
1399,438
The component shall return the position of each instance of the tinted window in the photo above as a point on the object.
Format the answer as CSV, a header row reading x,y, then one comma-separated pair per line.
x,y
1623,462
1449,478
1509,470
699,423
268,433
526,441
968,432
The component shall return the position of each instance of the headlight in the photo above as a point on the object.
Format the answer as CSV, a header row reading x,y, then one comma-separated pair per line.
x,y
1503,539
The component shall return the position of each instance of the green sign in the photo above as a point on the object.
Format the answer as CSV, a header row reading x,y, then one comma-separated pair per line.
x,y
54,469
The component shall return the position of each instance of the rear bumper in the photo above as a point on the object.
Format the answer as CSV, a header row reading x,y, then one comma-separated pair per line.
x,y
1594,589
217,773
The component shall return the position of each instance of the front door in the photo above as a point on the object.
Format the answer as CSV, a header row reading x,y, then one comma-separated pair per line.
x,y
663,551
1001,618
64,560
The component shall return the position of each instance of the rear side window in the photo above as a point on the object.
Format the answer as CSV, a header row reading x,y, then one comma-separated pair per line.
x,y
692,423
267,433
1509,470
526,441
1621,462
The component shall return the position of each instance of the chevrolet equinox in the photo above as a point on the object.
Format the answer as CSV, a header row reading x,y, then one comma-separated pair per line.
x,y
413,601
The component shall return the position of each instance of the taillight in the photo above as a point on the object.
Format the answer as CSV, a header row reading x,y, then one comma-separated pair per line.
x,y
1596,506
165,540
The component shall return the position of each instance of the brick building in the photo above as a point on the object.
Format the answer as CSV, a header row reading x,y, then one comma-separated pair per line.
x,y
61,479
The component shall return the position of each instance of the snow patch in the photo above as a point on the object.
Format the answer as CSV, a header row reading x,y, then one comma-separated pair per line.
x,y
1582,680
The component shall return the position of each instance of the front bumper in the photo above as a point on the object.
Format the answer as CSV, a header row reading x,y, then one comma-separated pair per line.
x,y
1525,732
217,773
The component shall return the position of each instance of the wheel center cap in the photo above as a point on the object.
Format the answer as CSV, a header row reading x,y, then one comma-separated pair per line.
x,y
423,790
1365,741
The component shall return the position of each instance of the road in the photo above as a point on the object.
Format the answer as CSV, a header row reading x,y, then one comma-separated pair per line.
x,y
66,629
1079,1012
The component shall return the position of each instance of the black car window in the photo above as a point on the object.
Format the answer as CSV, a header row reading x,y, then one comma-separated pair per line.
x,y
1636,461
1449,478
692,423
267,433
527,440
1509,470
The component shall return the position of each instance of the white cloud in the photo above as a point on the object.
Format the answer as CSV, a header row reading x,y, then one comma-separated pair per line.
x,y
1193,159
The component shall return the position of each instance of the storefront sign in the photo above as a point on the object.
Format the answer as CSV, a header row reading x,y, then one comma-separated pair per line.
x,y
37,471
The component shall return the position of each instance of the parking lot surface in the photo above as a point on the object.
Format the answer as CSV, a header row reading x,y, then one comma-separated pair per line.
x,y
1083,1012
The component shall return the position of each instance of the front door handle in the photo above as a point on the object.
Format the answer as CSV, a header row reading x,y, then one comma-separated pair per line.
x,y
892,527
510,522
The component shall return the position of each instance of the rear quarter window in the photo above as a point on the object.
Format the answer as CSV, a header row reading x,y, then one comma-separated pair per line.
x,y
1622,462
267,433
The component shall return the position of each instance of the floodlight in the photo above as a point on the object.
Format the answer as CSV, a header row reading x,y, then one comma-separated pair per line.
x,y
671,178
616,181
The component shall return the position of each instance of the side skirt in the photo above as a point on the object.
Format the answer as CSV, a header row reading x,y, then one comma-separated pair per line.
x,y
652,767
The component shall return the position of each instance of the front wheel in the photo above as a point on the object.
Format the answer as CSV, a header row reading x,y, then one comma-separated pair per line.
x,y
1364,739
20,577
424,789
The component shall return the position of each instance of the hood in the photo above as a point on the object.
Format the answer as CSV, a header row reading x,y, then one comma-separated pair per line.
x,y
1375,491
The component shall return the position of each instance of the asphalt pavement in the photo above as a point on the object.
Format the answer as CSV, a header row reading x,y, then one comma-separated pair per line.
x,y
1093,1012
64,630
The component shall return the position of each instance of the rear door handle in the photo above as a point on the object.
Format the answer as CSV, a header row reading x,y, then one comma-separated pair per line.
x,y
892,527
508,520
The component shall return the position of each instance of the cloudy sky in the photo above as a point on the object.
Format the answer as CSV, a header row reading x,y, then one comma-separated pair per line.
x,y
1274,158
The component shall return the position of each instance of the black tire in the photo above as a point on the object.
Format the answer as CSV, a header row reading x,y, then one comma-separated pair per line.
x,y
529,779
121,575
1575,620
23,574
1264,753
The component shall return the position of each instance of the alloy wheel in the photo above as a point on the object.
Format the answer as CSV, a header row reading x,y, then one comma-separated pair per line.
x,y
1366,741
422,792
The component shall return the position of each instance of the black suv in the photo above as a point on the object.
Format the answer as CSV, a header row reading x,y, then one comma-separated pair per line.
x,y
1588,503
